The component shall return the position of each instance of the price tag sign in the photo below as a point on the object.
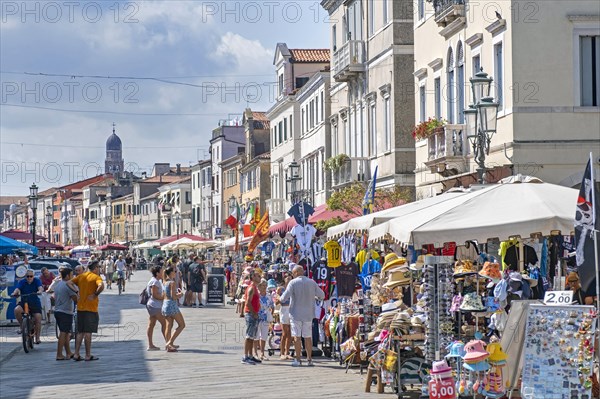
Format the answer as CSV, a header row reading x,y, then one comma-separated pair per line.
x,y
558,297
442,389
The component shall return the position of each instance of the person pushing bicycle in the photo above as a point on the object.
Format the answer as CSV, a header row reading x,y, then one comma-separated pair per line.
x,y
28,289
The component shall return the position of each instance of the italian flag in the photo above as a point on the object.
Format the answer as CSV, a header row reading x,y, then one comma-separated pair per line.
x,y
233,219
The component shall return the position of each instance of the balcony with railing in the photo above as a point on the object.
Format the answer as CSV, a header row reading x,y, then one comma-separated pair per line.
x,y
447,150
446,11
352,170
277,208
349,60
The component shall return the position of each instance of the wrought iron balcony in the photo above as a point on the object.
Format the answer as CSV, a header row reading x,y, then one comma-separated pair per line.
x,y
447,150
349,60
354,169
447,11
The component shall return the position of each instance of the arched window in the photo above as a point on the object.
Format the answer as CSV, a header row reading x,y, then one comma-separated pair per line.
x,y
460,83
450,86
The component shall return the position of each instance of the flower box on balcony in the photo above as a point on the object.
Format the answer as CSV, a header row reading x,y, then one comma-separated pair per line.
x,y
428,128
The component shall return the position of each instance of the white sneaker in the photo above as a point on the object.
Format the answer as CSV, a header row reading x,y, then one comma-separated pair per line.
x,y
296,363
310,363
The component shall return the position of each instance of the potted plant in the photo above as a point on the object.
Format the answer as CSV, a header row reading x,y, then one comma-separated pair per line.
x,y
335,163
426,128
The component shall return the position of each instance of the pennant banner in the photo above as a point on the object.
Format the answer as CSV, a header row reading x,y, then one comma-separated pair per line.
x,y
261,232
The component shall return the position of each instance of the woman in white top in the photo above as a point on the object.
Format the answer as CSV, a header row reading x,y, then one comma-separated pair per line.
x,y
154,305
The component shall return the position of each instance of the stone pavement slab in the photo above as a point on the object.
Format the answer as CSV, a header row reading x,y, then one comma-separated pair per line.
x,y
207,364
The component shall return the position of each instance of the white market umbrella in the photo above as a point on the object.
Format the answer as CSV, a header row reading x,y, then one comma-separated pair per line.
x,y
186,243
512,208
365,222
147,245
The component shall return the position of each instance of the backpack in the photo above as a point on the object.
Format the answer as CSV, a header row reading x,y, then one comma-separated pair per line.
x,y
144,296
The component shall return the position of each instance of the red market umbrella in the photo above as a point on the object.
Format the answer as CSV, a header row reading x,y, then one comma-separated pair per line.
x,y
113,247
321,213
43,244
20,235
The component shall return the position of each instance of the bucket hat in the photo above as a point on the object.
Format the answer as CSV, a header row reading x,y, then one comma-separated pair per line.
x,y
455,350
497,355
441,370
491,271
475,351
479,366
472,302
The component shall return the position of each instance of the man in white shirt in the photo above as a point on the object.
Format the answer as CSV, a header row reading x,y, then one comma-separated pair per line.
x,y
302,292
121,265
109,269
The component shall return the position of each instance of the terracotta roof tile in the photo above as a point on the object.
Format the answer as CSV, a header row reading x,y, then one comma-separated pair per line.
x,y
266,155
310,55
161,179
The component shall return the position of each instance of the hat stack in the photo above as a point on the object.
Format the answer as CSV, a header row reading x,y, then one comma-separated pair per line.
x,y
491,271
464,268
402,321
472,303
397,271
475,358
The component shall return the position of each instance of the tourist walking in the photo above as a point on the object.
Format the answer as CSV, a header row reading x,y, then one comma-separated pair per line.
x,y
109,270
302,292
170,309
196,278
154,306
251,308
284,320
65,298
90,286
265,318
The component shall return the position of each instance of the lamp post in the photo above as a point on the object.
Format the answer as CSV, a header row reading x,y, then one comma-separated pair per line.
x,y
126,229
480,119
177,217
49,221
293,180
33,199
65,220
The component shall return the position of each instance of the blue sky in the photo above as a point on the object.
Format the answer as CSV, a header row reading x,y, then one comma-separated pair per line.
x,y
155,68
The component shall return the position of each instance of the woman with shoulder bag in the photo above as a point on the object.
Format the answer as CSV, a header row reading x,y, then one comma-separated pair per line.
x,y
154,305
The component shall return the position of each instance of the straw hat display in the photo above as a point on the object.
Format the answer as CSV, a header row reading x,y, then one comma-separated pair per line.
x,y
397,277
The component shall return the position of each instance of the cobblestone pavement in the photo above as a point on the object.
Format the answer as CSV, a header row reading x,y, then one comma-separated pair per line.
x,y
207,364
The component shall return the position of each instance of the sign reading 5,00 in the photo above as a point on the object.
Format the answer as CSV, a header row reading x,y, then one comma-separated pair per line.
x,y
442,389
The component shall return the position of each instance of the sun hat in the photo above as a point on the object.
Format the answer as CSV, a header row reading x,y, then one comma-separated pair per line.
x,y
472,302
456,349
476,367
387,307
388,258
441,370
532,281
397,277
491,271
463,268
271,284
475,351
419,264
392,260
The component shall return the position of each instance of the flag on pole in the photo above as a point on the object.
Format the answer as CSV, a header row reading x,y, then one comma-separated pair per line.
x,y
587,221
369,199
256,219
234,218
261,232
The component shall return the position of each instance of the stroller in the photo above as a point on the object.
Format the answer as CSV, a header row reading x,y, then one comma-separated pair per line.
x,y
274,339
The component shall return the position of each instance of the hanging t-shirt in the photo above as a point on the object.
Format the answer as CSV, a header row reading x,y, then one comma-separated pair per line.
x,y
301,212
369,268
345,279
334,253
268,247
321,274
304,235
361,257
348,244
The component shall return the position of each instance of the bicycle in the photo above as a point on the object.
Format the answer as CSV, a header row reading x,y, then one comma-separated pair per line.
x,y
120,281
27,325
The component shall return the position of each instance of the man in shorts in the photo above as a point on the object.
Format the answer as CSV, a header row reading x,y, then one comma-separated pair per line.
x,y
28,288
90,286
65,299
196,277
251,308
302,292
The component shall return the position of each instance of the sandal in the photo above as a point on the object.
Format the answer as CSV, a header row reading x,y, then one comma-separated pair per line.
x,y
77,358
92,358
172,349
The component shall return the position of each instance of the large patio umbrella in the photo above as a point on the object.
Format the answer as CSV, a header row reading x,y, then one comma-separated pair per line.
x,y
517,206
20,235
112,247
8,245
43,244
365,222
187,243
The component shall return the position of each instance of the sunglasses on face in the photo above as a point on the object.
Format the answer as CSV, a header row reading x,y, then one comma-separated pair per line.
x,y
29,276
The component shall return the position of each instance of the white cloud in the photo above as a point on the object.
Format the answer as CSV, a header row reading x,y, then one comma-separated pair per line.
x,y
249,55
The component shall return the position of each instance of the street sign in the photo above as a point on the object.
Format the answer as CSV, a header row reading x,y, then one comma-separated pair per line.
x,y
558,297
216,289
218,231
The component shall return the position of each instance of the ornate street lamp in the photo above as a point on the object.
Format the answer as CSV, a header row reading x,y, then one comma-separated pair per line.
x,y
109,216
33,200
177,218
49,221
293,180
481,119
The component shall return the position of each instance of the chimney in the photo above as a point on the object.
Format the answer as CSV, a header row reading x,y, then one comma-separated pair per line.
x,y
144,175
178,172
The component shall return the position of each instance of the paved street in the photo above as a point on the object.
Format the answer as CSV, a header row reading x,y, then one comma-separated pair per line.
x,y
207,365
